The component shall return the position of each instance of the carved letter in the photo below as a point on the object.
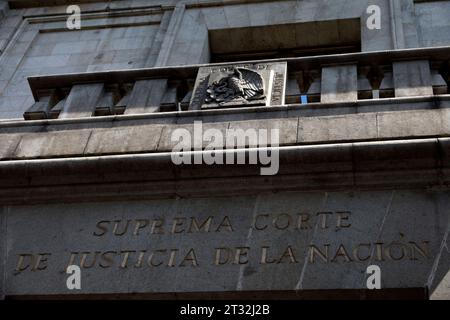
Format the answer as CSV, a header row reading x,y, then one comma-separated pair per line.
x,y
422,251
106,260
226,223
158,226
341,217
102,226
190,257
41,262
177,225
218,260
264,258
194,227
356,252
116,227
241,255
313,250
341,252
288,253
20,264
140,224
256,225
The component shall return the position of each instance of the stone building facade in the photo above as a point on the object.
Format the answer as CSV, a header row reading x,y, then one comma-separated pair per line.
x,y
87,176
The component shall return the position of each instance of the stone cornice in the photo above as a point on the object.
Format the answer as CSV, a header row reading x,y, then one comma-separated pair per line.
x,y
351,166
243,113
190,4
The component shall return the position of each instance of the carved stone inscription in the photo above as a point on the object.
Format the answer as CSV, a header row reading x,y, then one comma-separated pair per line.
x,y
173,257
239,85
242,243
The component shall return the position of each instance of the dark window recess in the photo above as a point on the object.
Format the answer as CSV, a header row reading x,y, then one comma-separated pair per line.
x,y
375,82
285,40
440,77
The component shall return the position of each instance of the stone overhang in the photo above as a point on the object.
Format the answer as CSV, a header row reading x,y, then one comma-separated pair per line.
x,y
130,156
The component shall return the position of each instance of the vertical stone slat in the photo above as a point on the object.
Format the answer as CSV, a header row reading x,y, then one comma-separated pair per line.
x,y
339,83
146,96
82,101
412,78
41,109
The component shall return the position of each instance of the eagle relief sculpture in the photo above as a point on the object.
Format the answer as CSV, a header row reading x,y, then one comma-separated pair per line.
x,y
243,84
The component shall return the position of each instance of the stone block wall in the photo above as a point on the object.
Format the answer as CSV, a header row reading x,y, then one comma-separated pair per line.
x,y
383,161
134,34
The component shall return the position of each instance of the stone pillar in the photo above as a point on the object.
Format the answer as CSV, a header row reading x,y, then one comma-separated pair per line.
x,y
146,96
170,34
82,101
412,78
339,84
41,109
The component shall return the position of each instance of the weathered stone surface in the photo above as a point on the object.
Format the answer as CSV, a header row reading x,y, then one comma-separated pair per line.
x,y
57,144
359,127
124,140
81,101
415,123
146,96
382,164
412,78
185,138
339,83
133,136
269,242
8,144
287,131
442,289
41,109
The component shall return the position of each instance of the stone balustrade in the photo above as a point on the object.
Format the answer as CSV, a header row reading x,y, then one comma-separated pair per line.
x,y
330,79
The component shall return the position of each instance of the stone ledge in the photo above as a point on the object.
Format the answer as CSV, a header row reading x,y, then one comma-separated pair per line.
x,y
414,163
62,141
19,4
231,114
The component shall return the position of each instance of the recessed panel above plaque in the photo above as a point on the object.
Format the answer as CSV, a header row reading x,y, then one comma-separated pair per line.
x,y
239,85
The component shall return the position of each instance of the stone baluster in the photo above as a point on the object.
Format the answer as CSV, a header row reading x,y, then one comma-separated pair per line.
x,y
82,100
41,109
339,83
412,78
146,96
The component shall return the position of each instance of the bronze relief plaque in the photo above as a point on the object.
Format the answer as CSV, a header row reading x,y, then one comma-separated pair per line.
x,y
239,85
